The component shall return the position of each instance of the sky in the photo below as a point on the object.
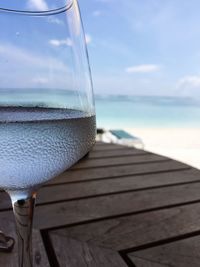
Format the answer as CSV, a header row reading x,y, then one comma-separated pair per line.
x,y
35,51
144,47
136,47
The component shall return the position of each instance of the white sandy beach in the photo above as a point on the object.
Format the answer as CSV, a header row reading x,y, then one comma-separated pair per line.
x,y
182,144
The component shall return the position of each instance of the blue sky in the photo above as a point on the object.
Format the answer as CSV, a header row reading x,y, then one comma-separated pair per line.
x,y
31,58
144,47
137,47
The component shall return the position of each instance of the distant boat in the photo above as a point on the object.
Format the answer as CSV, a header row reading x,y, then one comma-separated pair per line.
x,y
120,137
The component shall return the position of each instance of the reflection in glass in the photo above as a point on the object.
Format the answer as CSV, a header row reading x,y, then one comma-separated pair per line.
x,y
47,116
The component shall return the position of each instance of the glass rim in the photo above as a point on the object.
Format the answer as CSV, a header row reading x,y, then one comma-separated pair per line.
x,y
39,12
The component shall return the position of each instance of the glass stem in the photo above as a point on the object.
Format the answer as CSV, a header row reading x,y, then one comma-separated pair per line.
x,y
23,212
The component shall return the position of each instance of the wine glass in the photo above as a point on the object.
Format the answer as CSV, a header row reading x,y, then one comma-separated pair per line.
x,y
47,113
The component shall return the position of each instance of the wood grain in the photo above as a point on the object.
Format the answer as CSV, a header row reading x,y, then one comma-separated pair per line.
x,y
65,192
134,231
106,146
138,262
94,188
10,259
72,253
118,171
112,205
116,199
123,160
181,253
121,184
116,153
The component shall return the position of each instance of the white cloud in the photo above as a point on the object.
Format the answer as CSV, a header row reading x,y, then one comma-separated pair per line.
x,y
96,13
24,68
188,85
17,56
88,39
39,5
117,83
56,42
55,21
189,82
146,68
40,80
68,41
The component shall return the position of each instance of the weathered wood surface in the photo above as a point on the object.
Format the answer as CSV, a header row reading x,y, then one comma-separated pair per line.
x,y
118,206
185,252
73,253
134,231
115,153
119,171
116,161
40,258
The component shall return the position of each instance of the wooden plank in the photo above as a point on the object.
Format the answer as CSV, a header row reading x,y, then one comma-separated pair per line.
x,y
108,146
134,231
73,253
99,143
182,253
146,263
116,153
95,188
117,171
39,254
103,162
5,202
139,229
113,205
95,241
10,259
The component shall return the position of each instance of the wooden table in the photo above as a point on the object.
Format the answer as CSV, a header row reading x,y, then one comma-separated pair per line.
x,y
118,207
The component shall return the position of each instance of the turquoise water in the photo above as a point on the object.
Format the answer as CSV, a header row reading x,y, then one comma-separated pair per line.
x,y
116,111
146,111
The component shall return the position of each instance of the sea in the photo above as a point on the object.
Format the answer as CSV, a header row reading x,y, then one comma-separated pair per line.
x,y
123,111
117,111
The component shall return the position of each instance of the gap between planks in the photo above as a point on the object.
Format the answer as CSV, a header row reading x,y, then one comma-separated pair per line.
x,y
95,189
137,232
118,171
161,242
